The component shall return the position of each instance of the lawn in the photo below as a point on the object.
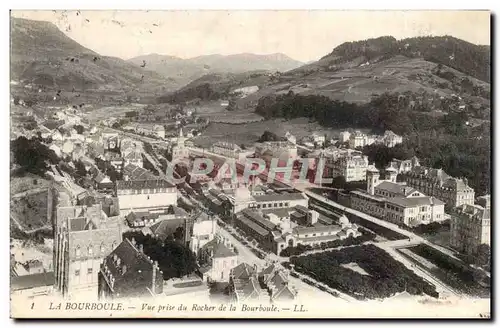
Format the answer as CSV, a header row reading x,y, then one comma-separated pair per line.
x,y
382,275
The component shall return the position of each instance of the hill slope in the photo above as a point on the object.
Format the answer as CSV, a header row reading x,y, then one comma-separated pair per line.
x,y
44,56
187,70
356,72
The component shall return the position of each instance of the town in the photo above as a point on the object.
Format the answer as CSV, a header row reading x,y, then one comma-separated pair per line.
x,y
119,220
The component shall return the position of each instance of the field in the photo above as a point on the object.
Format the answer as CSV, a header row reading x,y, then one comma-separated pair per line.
x,y
249,133
111,112
363,272
29,212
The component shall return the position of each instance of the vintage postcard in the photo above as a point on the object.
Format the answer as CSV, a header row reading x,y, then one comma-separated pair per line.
x,y
250,164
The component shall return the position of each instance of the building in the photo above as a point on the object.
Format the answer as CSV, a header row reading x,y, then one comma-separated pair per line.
x,y
131,172
244,285
154,130
395,202
290,137
204,230
276,149
145,195
137,219
359,139
470,227
230,150
178,149
83,236
276,281
134,158
128,272
403,166
390,139
351,167
435,182
32,285
344,136
314,233
216,260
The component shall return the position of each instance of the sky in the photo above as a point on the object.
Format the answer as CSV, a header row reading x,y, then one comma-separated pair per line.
x,y
302,35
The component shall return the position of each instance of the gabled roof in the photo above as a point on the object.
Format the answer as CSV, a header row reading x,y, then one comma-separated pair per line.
x,y
395,188
242,271
137,173
221,250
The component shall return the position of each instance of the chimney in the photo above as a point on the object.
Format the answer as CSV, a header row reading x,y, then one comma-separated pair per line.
x,y
124,269
255,267
141,248
133,241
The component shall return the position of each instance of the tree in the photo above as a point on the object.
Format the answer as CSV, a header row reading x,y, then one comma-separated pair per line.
x,y
32,156
268,136
79,129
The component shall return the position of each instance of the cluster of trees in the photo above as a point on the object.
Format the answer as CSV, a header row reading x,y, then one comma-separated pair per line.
x,y
431,228
268,136
202,91
456,273
32,155
461,55
320,108
386,276
349,241
108,169
79,128
174,259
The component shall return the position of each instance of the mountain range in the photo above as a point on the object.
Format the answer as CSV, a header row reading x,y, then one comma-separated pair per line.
x,y
187,70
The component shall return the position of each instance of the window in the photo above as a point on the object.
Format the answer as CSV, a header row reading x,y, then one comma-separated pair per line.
x,y
222,275
77,273
90,250
77,252
263,205
89,271
148,197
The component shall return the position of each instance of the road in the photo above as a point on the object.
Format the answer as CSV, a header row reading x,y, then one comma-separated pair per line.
x,y
414,238
305,292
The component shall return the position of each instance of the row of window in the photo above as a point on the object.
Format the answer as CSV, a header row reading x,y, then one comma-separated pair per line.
x,y
89,271
90,249
286,204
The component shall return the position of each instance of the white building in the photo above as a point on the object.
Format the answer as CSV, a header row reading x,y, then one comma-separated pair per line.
x,y
396,202
344,136
204,230
390,139
470,227
145,195
351,167
178,149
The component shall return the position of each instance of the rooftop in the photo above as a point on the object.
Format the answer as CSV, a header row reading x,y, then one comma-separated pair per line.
x,y
32,281
279,197
143,184
395,188
415,201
